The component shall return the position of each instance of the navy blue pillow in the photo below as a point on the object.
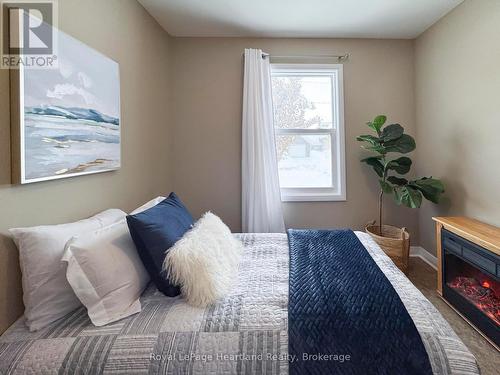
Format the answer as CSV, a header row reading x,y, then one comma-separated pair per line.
x,y
156,230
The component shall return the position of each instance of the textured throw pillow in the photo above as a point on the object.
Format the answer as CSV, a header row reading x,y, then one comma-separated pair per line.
x,y
106,273
148,205
47,294
154,231
205,261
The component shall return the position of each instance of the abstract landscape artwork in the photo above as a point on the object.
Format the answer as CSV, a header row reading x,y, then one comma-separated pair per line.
x,y
70,116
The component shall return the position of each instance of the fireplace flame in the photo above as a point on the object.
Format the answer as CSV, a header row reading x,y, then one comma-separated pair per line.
x,y
481,294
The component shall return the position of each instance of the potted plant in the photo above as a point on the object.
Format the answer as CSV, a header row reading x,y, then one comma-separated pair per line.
x,y
391,139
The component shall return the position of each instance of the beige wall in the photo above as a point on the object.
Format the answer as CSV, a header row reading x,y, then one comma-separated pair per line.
x,y
458,113
206,125
122,30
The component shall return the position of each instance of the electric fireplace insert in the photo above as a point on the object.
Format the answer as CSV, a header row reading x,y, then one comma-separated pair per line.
x,y
471,283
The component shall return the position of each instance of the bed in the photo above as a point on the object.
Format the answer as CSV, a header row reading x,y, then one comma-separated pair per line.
x,y
247,332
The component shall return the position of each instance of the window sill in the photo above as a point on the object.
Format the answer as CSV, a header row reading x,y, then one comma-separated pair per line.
x,y
313,198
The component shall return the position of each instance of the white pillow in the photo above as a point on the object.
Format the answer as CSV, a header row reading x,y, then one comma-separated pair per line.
x,y
204,262
147,205
47,294
106,273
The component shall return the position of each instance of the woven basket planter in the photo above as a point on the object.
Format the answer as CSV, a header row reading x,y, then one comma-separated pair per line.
x,y
394,241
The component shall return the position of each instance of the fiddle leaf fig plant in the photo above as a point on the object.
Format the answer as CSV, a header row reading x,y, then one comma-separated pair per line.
x,y
388,140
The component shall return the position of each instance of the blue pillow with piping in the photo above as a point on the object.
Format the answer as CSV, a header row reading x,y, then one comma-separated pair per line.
x,y
156,230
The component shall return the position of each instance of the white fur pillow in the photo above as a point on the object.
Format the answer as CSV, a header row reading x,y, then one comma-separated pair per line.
x,y
204,262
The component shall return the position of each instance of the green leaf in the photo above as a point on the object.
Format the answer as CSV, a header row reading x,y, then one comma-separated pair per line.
x,y
397,181
377,123
403,144
431,188
411,197
401,165
385,186
376,148
397,195
376,164
392,132
369,138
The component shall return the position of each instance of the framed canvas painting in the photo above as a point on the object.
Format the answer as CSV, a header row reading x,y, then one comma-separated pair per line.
x,y
66,120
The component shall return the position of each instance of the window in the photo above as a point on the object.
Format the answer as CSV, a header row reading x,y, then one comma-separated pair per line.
x,y
309,131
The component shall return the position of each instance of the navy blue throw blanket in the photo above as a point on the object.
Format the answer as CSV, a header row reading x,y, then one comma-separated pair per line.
x,y
344,315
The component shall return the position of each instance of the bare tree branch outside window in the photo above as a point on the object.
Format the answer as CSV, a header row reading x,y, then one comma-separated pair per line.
x,y
290,107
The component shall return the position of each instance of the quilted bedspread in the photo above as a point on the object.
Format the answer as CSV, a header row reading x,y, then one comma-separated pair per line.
x,y
342,307
246,333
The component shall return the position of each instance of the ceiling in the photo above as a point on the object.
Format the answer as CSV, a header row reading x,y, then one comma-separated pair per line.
x,y
404,19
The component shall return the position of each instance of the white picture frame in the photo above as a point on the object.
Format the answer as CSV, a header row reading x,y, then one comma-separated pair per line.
x,y
66,122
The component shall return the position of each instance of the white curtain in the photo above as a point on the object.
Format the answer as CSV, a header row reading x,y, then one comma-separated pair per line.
x,y
261,201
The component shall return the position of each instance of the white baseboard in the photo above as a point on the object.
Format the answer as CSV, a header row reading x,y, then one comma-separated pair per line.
x,y
420,252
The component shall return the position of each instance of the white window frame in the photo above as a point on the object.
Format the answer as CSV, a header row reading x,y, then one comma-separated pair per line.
x,y
337,133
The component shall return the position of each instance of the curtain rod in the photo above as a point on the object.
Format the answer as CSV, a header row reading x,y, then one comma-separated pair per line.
x,y
338,57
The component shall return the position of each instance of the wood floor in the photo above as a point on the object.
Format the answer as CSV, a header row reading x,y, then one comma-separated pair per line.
x,y
424,278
